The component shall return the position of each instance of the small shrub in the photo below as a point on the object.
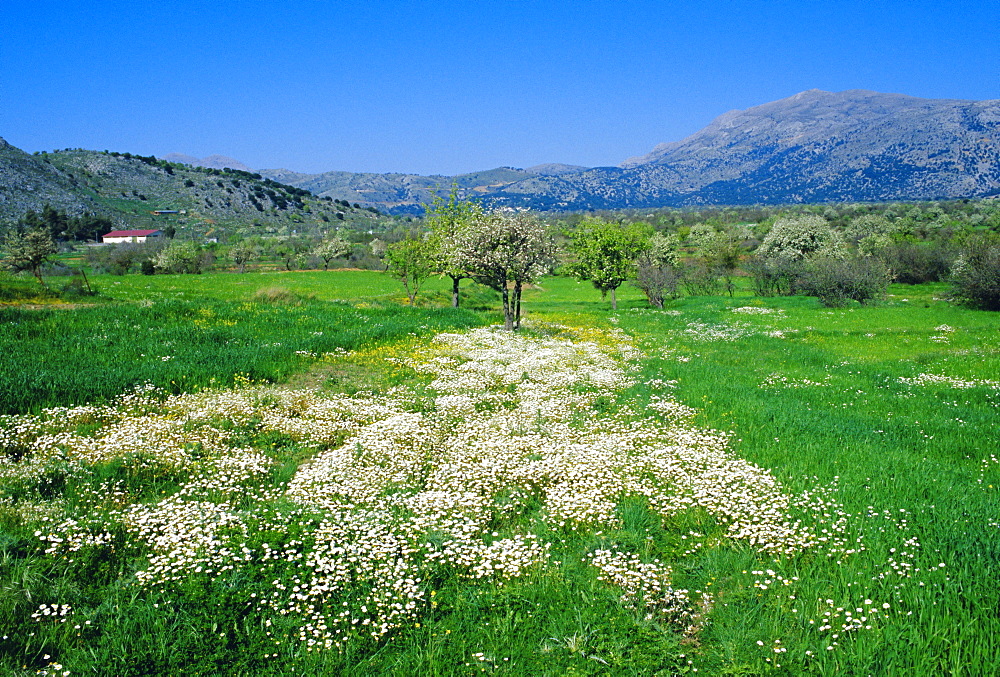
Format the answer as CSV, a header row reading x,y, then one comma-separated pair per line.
x,y
657,282
699,279
278,296
836,281
77,286
773,276
916,263
975,277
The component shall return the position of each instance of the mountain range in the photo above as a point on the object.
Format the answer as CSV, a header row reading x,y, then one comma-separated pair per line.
x,y
815,146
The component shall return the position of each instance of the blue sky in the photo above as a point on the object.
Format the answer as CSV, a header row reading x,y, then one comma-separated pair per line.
x,y
450,87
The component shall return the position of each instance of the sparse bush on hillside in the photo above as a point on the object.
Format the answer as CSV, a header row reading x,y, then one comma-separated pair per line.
x,y
975,276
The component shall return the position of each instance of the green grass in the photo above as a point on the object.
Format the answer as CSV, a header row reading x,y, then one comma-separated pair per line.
x,y
821,404
846,418
68,357
332,285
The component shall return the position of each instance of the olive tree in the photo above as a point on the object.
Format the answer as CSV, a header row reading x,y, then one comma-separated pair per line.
x,y
505,250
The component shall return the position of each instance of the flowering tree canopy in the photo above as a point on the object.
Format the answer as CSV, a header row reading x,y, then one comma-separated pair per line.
x,y
331,248
29,252
181,256
243,252
504,250
797,237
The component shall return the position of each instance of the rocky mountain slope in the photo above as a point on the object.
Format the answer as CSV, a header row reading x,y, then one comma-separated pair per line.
x,y
130,190
819,146
815,146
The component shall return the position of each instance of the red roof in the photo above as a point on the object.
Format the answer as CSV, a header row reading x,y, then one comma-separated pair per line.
x,y
130,233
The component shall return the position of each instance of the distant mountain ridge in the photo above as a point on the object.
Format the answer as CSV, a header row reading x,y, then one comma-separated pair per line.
x,y
853,145
815,146
212,161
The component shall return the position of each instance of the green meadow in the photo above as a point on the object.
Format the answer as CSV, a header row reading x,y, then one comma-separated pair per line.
x,y
881,420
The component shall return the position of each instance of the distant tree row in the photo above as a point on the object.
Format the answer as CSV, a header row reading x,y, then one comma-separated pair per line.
x,y
801,252
813,250
62,227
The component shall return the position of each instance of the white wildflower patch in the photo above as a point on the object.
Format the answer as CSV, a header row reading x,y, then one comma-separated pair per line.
x,y
645,586
757,310
940,380
395,496
780,381
708,332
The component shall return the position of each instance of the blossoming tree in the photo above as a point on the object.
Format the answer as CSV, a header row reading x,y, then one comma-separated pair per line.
x,y
504,250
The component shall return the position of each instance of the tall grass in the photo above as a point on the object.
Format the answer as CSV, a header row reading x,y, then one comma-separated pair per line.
x,y
60,357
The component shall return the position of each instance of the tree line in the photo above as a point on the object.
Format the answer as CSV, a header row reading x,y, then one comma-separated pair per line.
x,y
810,250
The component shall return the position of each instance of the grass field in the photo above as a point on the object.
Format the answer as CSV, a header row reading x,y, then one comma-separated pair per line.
x,y
553,504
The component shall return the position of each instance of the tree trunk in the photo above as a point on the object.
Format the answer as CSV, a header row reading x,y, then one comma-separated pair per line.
x,y
454,291
517,305
508,310
614,299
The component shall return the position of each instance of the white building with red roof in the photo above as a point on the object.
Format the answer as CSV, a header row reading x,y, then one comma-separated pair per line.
x,y
119,236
